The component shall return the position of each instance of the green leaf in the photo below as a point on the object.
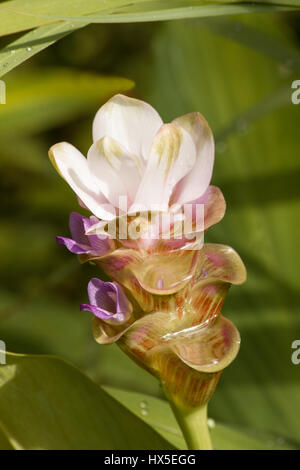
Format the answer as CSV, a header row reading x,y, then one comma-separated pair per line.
x,y
158,414
46,403
246,98
44,98
33,42
53,19
18,15
174,10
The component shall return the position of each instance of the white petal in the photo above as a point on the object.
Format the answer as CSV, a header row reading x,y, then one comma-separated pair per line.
x,y
73,167
116,170
196,182
130,122
172,156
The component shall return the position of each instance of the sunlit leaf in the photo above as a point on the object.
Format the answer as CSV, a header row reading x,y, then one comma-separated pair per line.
x,y
162,10
56,19
18,15
158,414
46,403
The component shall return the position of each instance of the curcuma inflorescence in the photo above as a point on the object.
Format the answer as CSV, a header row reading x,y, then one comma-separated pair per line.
x,y
147,186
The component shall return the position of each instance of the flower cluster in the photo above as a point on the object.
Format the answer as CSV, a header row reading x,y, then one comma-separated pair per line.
x,y
163,306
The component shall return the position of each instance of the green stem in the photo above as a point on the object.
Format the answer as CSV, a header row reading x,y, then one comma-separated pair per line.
x,y
193,424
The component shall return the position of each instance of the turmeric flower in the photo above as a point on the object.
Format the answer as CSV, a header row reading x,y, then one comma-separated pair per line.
x,y
163,306
137,158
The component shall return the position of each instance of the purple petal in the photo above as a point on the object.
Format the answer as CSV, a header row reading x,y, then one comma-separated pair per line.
x,y
102,294
77,228
100,244
107,301
98,312
72,245
80,243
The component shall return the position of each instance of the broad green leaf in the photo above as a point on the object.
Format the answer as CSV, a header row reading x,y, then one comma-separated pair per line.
x,y
19,15
161,10
45,98
52,20
46,403
158,414
29,323
246,98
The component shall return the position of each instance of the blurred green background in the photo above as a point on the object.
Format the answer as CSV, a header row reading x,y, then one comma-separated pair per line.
x,y
237,71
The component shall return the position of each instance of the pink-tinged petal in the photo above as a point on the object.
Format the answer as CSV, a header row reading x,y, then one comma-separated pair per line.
x,y
130,122
116,169
149,343
73,167
211,349
166,272
195,183
214,206
80,202
150,267
172,157
187,387
146,334
106,333
119,266
181,228
206,299
219,266
108,302
199,215
220,262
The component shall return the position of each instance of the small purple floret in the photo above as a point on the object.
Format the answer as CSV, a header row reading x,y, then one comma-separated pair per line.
x,y
80,243
107,301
